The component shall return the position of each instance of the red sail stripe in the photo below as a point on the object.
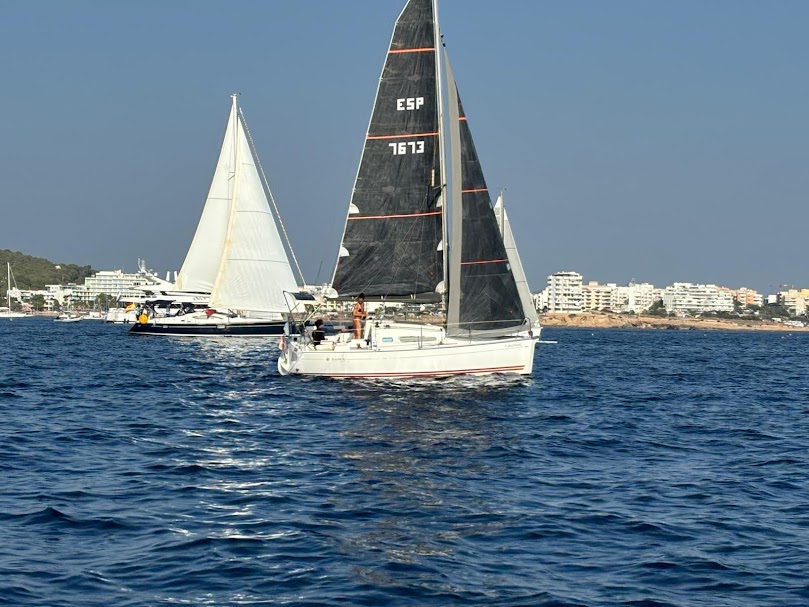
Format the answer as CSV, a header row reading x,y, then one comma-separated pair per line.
x,y
471,191
461,117
397,216
472,263
411,50
403,135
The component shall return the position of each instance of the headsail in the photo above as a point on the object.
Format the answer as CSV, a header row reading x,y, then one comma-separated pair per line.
x,y
393,231
204,257
254,270
516,263
483,295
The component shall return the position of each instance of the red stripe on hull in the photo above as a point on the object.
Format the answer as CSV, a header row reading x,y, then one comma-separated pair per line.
x,y
421,373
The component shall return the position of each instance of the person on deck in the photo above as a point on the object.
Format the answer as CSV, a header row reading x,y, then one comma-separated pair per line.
x,y
359,315
318,335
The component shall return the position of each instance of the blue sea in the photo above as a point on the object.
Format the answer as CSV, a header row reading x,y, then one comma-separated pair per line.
x,y
643,468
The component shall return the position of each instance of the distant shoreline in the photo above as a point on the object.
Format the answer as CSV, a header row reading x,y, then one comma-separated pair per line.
x,y
592,320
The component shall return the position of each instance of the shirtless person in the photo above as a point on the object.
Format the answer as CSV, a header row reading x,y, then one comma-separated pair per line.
x,y
359,315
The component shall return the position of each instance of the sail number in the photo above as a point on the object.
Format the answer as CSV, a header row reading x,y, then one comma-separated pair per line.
x,y
409,103
407,147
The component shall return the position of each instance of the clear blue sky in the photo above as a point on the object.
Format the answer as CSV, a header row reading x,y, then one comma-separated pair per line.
x,y
661,141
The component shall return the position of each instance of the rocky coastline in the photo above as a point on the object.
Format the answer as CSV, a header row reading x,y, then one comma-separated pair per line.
x,y
592,320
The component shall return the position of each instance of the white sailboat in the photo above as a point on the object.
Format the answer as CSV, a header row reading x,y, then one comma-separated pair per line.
x,y
398,222
526,298
237,258
8,312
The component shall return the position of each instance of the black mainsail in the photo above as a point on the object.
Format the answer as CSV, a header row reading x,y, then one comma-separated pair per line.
x,y
483,295
393,231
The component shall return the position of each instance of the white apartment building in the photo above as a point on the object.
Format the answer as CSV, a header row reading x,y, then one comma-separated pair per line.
x,y
640,297
115,283
695,298
564,292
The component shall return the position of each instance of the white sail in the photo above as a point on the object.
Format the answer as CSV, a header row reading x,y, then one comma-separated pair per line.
x,y
204,257
526,298
254,271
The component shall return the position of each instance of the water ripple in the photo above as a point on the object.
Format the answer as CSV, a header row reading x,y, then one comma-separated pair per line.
x,y
634,468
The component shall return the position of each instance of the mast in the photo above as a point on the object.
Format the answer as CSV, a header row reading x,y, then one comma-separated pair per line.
x,y
456,246
439,44
8,285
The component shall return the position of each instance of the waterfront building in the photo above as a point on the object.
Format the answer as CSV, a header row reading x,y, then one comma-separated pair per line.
x,y
748,297
115,283
598,297
565,292
796,301
641,296
685,297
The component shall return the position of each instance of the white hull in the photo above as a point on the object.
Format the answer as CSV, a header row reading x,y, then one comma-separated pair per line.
x,y
12,315
69,319
121,316
407,350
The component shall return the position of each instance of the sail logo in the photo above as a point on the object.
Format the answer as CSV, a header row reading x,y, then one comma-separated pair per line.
x,y
409,103
407,147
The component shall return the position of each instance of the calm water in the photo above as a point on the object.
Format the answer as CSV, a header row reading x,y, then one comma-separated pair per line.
x,y
635,468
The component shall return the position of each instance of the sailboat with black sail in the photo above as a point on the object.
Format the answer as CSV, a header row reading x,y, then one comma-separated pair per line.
x,y
402,242
236,261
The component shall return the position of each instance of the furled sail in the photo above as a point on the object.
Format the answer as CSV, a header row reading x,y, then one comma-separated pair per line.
x,y
483,295
254,271
390,247
204,257
516,263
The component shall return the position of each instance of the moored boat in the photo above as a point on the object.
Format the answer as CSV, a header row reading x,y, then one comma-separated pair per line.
x,y
237,260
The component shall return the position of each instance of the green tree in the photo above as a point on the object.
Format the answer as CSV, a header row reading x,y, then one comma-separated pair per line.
x,y
105,301
37,302
774,311
36,272
657,309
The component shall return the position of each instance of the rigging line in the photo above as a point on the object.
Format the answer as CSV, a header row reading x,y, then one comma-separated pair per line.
x,y
272,199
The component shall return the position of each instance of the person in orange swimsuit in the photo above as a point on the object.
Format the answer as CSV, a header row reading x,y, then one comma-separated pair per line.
x,y
359,315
